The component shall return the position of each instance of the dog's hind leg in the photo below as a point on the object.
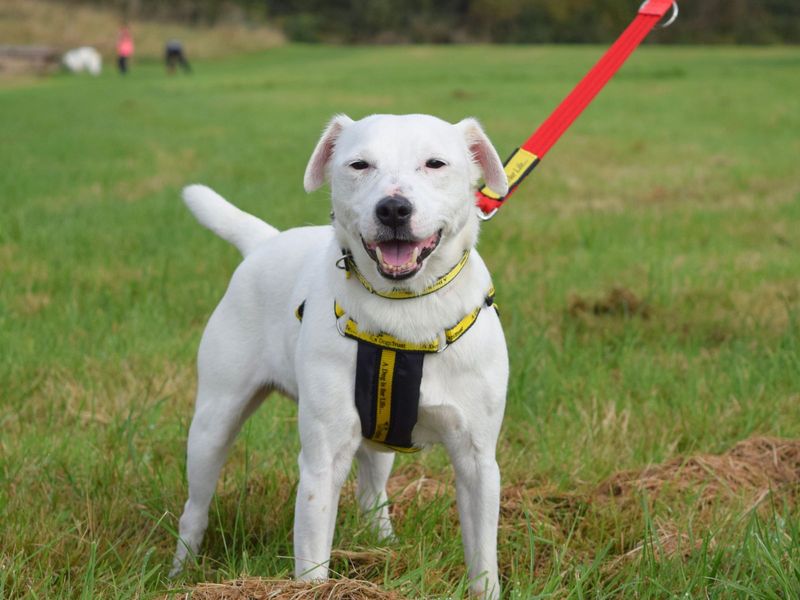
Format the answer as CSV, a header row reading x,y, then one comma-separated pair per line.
x,y
374,468
218,418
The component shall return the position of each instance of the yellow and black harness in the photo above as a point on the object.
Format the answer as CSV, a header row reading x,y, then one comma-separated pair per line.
x,y
389,370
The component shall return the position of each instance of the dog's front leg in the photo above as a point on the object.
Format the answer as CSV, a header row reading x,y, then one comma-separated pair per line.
x,y
374,467
329,441
478,496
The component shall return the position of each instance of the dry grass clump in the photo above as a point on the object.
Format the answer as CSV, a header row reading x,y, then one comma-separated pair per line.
x,y
256,588
366,562
745,474
751,469
665,541
413,485
682,495
520,497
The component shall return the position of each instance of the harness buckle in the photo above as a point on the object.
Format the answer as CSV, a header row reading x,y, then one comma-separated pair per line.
x,y
339,328
443,343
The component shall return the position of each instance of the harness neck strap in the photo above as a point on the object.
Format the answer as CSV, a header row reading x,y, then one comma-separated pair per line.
x,y
399,293
349,328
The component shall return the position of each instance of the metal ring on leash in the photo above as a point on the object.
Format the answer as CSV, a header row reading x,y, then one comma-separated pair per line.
x,y
486,216
672,17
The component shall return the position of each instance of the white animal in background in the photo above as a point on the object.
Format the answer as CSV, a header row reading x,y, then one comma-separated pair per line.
x,y
83,59
340,315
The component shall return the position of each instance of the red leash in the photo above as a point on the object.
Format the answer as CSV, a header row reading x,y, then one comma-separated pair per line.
x,y
524,159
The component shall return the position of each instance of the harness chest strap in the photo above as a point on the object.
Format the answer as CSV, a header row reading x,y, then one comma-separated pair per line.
x,y
389,374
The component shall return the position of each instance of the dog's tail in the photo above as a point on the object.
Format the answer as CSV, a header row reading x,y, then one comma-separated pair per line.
x,y
241,229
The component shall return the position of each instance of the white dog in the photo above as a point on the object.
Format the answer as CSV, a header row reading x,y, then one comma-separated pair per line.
x,y
83,59
343,317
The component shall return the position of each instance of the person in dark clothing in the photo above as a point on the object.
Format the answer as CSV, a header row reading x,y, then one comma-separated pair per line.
x,y
173,56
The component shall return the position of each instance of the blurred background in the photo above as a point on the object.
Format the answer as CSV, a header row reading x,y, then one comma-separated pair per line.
x,y
254,24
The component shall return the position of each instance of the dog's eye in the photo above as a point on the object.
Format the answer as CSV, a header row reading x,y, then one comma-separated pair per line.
x,y
359,165
435,163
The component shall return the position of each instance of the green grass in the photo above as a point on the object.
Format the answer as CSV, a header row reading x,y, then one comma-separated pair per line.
x,y
680,184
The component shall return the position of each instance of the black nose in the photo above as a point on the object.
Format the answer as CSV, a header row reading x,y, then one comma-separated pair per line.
x,y
394,211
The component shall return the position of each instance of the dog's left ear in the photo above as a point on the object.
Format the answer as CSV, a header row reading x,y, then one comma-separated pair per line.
x,y
318,164
484,154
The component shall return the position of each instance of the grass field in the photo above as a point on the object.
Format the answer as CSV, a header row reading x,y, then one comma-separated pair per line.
x,y
679,188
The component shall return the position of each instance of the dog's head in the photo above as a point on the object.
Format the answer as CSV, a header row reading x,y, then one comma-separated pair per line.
x,y
403,191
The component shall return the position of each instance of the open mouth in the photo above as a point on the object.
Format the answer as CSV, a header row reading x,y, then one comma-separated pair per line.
x,y
400,259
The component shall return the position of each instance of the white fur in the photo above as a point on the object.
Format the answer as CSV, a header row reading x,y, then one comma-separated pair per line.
x,y
253,342
243,230
83,59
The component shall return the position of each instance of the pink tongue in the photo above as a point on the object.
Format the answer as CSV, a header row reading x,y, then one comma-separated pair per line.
x,y
396,253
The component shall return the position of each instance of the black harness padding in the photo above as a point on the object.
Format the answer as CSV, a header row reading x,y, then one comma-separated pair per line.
x,y
388,382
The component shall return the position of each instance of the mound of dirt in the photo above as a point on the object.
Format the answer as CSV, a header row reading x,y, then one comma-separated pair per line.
x,y
257,588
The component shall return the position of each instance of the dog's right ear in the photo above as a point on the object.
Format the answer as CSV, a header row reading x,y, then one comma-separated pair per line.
x,y
318,164
484,154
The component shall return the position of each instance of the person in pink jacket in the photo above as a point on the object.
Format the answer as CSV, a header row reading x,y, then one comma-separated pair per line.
x,y
124,49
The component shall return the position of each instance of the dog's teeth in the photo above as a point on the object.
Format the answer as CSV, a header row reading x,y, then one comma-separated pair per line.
x,y
414,256
379,254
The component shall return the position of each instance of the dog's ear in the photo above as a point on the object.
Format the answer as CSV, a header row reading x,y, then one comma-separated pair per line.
x,y
484,154
318,164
